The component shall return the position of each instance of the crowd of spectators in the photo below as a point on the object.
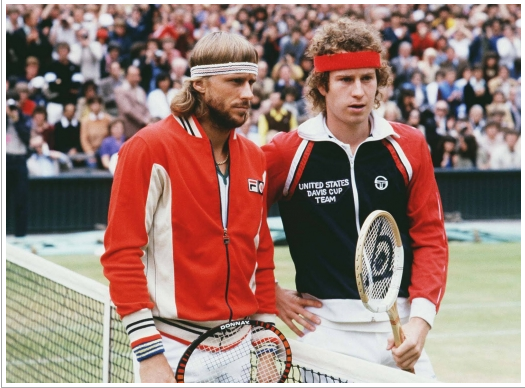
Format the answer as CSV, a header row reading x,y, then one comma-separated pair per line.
x,y
90,76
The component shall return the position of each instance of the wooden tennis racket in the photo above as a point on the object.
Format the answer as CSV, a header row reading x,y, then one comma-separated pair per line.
x,y
241,351
379,268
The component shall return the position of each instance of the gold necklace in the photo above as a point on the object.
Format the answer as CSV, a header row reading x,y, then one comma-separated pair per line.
x,y
224,161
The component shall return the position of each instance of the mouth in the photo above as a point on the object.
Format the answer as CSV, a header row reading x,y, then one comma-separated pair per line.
x,y
357,107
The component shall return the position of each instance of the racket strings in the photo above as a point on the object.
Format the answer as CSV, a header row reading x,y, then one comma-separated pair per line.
x,y
378,259
258,357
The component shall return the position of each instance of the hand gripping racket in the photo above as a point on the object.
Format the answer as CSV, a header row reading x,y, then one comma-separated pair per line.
x,y
242,351
379,268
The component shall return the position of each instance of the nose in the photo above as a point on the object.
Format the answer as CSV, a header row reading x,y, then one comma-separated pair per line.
x,y
357,91
246,91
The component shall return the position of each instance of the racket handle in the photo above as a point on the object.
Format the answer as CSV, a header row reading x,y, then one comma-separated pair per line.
x,y
399,336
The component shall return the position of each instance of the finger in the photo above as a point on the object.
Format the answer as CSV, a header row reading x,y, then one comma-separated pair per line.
x,y
310,302
390,342
288,322
305,323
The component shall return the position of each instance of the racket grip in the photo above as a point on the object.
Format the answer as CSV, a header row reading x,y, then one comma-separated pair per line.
x,y
397,330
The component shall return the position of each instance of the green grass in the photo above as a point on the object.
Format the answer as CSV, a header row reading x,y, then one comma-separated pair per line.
x,y
477,334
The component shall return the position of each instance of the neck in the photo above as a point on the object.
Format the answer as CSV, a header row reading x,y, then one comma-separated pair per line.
x,y
218,138
353,135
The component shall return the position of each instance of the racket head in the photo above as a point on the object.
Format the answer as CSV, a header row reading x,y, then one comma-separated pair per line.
x,y
241,351
379,261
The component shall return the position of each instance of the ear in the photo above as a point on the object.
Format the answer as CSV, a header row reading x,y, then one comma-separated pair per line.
x,y
322,90
199,86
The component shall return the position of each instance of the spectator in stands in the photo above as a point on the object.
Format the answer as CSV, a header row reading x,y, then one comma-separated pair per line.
x,y
89,90
460,39
179,66
404,64
420,89
476,91
13,22
440,117
428,65
119,36
46,162
502,82
167,45
490,140
448,92
32,69
93,129
480,44
159,99
507,156
112,143
29,40
414,120
499,104
432,88
270,41
445,155
26,104
266,83
40,126
61,86
67,134
87,54
514,105
467,146
476,119
395,34
108,85
278,119
421,39
490,66
287,79
17,135
294,43
131,103
509,47
63,29
111,56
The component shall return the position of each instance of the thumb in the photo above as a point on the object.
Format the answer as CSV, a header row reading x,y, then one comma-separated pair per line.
x,y
390,342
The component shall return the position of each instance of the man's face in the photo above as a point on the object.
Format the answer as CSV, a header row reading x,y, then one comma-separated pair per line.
x,y
350,97
133,76
69,111
228,98
95,107
115,70
441,110
62,53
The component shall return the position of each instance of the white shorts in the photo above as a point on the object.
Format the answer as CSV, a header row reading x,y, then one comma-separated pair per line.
x,y
369,346
234,372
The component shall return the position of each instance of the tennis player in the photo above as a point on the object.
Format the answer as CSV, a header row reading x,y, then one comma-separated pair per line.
x,y
187,245
328,176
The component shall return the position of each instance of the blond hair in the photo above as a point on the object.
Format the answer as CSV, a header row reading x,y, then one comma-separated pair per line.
x,y
214,48
344,35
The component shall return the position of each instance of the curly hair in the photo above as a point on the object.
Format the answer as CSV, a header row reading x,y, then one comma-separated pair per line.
x,y
344,35
214,48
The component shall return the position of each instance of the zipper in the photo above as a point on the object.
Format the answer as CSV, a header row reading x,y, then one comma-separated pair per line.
x,y
225,236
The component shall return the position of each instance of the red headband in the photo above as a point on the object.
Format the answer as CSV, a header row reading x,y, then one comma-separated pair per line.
x,y
344,61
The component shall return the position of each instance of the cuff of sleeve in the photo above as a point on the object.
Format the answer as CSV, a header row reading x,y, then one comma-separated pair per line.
x,y
144,337
424,309
264,317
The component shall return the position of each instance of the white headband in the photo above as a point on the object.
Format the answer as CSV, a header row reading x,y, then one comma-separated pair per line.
x,y
224,68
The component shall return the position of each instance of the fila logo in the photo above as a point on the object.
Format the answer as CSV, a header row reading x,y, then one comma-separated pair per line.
x,y
381,182
255,186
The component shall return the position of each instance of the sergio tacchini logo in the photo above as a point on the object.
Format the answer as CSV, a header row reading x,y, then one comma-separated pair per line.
x,y
381,182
